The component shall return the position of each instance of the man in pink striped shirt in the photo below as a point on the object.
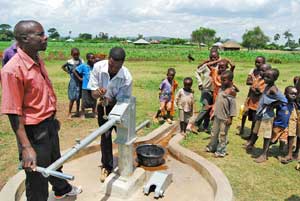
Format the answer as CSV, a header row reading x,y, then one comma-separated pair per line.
x,y
29,101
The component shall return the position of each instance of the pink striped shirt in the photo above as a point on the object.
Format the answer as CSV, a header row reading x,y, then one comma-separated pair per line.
x,y
26,89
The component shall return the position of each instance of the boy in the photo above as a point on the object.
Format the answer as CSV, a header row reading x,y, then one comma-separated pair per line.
x,y
206,88
297,85
84,70
265,113
184,100
256,83
224,111
166,96
284,126
215,74
74,88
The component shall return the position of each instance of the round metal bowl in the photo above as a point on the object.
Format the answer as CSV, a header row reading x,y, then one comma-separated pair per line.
x,y
150,155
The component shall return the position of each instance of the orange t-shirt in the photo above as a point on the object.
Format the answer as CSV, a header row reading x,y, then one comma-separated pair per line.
x,y
216,80
257,83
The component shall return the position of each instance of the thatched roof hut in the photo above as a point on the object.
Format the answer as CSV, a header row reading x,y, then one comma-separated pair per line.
x,y
231,45
141,42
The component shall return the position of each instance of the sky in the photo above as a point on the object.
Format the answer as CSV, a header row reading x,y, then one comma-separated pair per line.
x,y
171,18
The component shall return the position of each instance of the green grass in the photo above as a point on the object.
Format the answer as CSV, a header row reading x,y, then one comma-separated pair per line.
x,y
250,181
161,52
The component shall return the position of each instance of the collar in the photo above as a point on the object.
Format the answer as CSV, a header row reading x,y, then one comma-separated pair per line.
x,y
27,60
120,74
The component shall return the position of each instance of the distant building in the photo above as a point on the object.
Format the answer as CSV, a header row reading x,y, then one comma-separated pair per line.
x,y
70,40
218,45
155,42
297,49
231,46
141,42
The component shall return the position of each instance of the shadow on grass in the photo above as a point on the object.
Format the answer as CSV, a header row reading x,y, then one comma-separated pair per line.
x,y
293,198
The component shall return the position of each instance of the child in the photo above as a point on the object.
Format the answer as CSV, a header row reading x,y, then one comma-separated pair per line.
x,y
251,103
265,113
257,85
284,126
166,96
74,88
206,88
84,70
215,74
224,111
296,155
184,100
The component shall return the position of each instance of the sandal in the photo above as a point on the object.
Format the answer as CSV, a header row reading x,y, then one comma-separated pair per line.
x,y
285,160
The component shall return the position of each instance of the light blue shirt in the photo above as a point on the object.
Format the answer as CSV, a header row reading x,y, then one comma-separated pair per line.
x,y
119,87
84,70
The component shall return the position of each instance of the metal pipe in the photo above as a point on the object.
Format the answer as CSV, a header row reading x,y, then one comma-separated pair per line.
x,y
83,143
57,174
142,125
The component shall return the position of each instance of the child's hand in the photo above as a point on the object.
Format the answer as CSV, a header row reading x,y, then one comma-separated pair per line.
x,y
228,122
207,107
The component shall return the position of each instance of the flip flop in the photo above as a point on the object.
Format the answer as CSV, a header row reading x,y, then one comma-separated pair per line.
x,y
285,161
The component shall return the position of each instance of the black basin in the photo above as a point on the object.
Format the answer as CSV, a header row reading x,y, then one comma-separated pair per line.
x,y
150,155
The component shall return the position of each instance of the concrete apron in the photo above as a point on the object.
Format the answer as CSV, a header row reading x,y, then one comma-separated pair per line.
x,y
187,183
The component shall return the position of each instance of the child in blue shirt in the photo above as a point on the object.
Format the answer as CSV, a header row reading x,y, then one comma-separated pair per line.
x,y
284,126
82,72
265,113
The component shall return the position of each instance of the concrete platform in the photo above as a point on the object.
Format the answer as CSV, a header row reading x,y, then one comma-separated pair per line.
x,y
187,183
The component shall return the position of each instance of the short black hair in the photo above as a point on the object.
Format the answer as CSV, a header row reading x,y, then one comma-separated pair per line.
x,y
214,49
117,54
88,55
296,79
264,58
275,72
171,70
288,88
21,29
228,74
74,49
188,79
269,66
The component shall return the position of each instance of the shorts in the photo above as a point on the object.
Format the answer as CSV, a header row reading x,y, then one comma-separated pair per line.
x,y
298,123
279,133
87,100
184,116
264,128
251,114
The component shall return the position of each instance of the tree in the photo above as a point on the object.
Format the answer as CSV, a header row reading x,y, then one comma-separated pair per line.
x,y
254,39
85,36
204,35
276,37
70,32
5,27
5,33
103,36
288,35
140,36
53,33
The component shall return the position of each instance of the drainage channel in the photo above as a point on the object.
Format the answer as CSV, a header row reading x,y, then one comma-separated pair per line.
x,y
187,183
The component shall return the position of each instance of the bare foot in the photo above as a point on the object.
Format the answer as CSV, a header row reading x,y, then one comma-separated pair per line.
x,y
69,116
77,114
262,158
286,159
